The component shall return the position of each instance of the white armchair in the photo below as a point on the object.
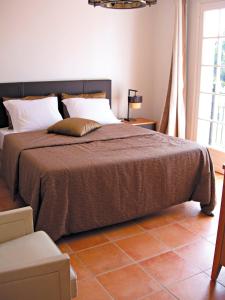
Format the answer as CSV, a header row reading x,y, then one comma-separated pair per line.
x,y
31,265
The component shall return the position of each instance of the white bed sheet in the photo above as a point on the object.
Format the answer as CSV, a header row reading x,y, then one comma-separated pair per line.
x,y
3,133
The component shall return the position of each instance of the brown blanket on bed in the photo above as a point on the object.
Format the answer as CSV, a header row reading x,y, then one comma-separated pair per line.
x,y
114,174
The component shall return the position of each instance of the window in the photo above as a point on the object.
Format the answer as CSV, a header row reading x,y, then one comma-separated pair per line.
x,y
211,113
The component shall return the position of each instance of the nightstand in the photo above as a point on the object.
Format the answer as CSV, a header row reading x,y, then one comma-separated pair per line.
x,y
142,122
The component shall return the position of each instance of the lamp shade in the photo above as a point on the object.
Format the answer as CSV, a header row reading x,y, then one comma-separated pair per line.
x,y
135,105
135,101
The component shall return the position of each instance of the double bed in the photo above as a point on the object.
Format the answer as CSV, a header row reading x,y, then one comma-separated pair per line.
x,y
114,174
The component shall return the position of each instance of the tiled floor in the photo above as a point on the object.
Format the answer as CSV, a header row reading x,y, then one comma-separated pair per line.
x,y
161,257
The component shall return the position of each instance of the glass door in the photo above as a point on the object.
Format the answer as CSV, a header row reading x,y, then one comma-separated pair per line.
x,y
211,95
211,113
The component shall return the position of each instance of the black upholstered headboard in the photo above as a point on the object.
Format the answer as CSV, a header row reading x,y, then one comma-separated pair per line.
x,y
22,89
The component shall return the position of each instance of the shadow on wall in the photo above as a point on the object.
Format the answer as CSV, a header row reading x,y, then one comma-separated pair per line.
x,y
137,58
149,59
162,40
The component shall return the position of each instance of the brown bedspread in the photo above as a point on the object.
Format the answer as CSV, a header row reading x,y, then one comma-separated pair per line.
x,y
114,174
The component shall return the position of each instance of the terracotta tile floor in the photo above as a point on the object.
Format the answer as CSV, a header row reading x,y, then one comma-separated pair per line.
x,y
165,256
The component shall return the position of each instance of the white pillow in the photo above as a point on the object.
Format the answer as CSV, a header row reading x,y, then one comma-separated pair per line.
x,y
33,115
94,109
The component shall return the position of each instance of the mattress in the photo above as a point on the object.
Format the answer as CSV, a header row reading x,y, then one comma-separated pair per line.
x,y
3,133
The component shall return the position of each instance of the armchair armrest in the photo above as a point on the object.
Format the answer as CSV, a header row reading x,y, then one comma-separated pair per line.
x,y
46,278
15,223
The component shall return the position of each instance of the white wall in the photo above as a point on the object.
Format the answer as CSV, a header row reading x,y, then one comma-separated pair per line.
x,y
60,40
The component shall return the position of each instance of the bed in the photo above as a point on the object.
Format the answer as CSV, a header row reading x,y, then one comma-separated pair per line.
x,y
112,175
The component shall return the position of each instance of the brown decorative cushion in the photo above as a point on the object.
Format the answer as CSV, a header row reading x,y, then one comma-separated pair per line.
x,y
89,95
74,127
24,98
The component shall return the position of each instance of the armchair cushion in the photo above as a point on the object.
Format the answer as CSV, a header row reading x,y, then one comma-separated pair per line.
x,y
28,250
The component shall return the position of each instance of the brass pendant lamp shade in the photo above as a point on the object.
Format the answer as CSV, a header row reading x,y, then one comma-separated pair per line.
x,y
122,4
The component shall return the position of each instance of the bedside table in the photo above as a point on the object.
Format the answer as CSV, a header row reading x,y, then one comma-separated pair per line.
x,y
142,122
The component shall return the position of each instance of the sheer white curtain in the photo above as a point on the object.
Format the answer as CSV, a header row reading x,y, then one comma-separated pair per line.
x,y
173,120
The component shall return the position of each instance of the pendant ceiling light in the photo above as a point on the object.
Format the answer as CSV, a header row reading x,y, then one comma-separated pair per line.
x,y
122,4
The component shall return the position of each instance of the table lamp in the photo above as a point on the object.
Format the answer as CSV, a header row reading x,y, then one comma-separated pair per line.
x,y
134,102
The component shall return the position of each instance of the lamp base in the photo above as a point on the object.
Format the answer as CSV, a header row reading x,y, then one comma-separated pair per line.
x,y
130,120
